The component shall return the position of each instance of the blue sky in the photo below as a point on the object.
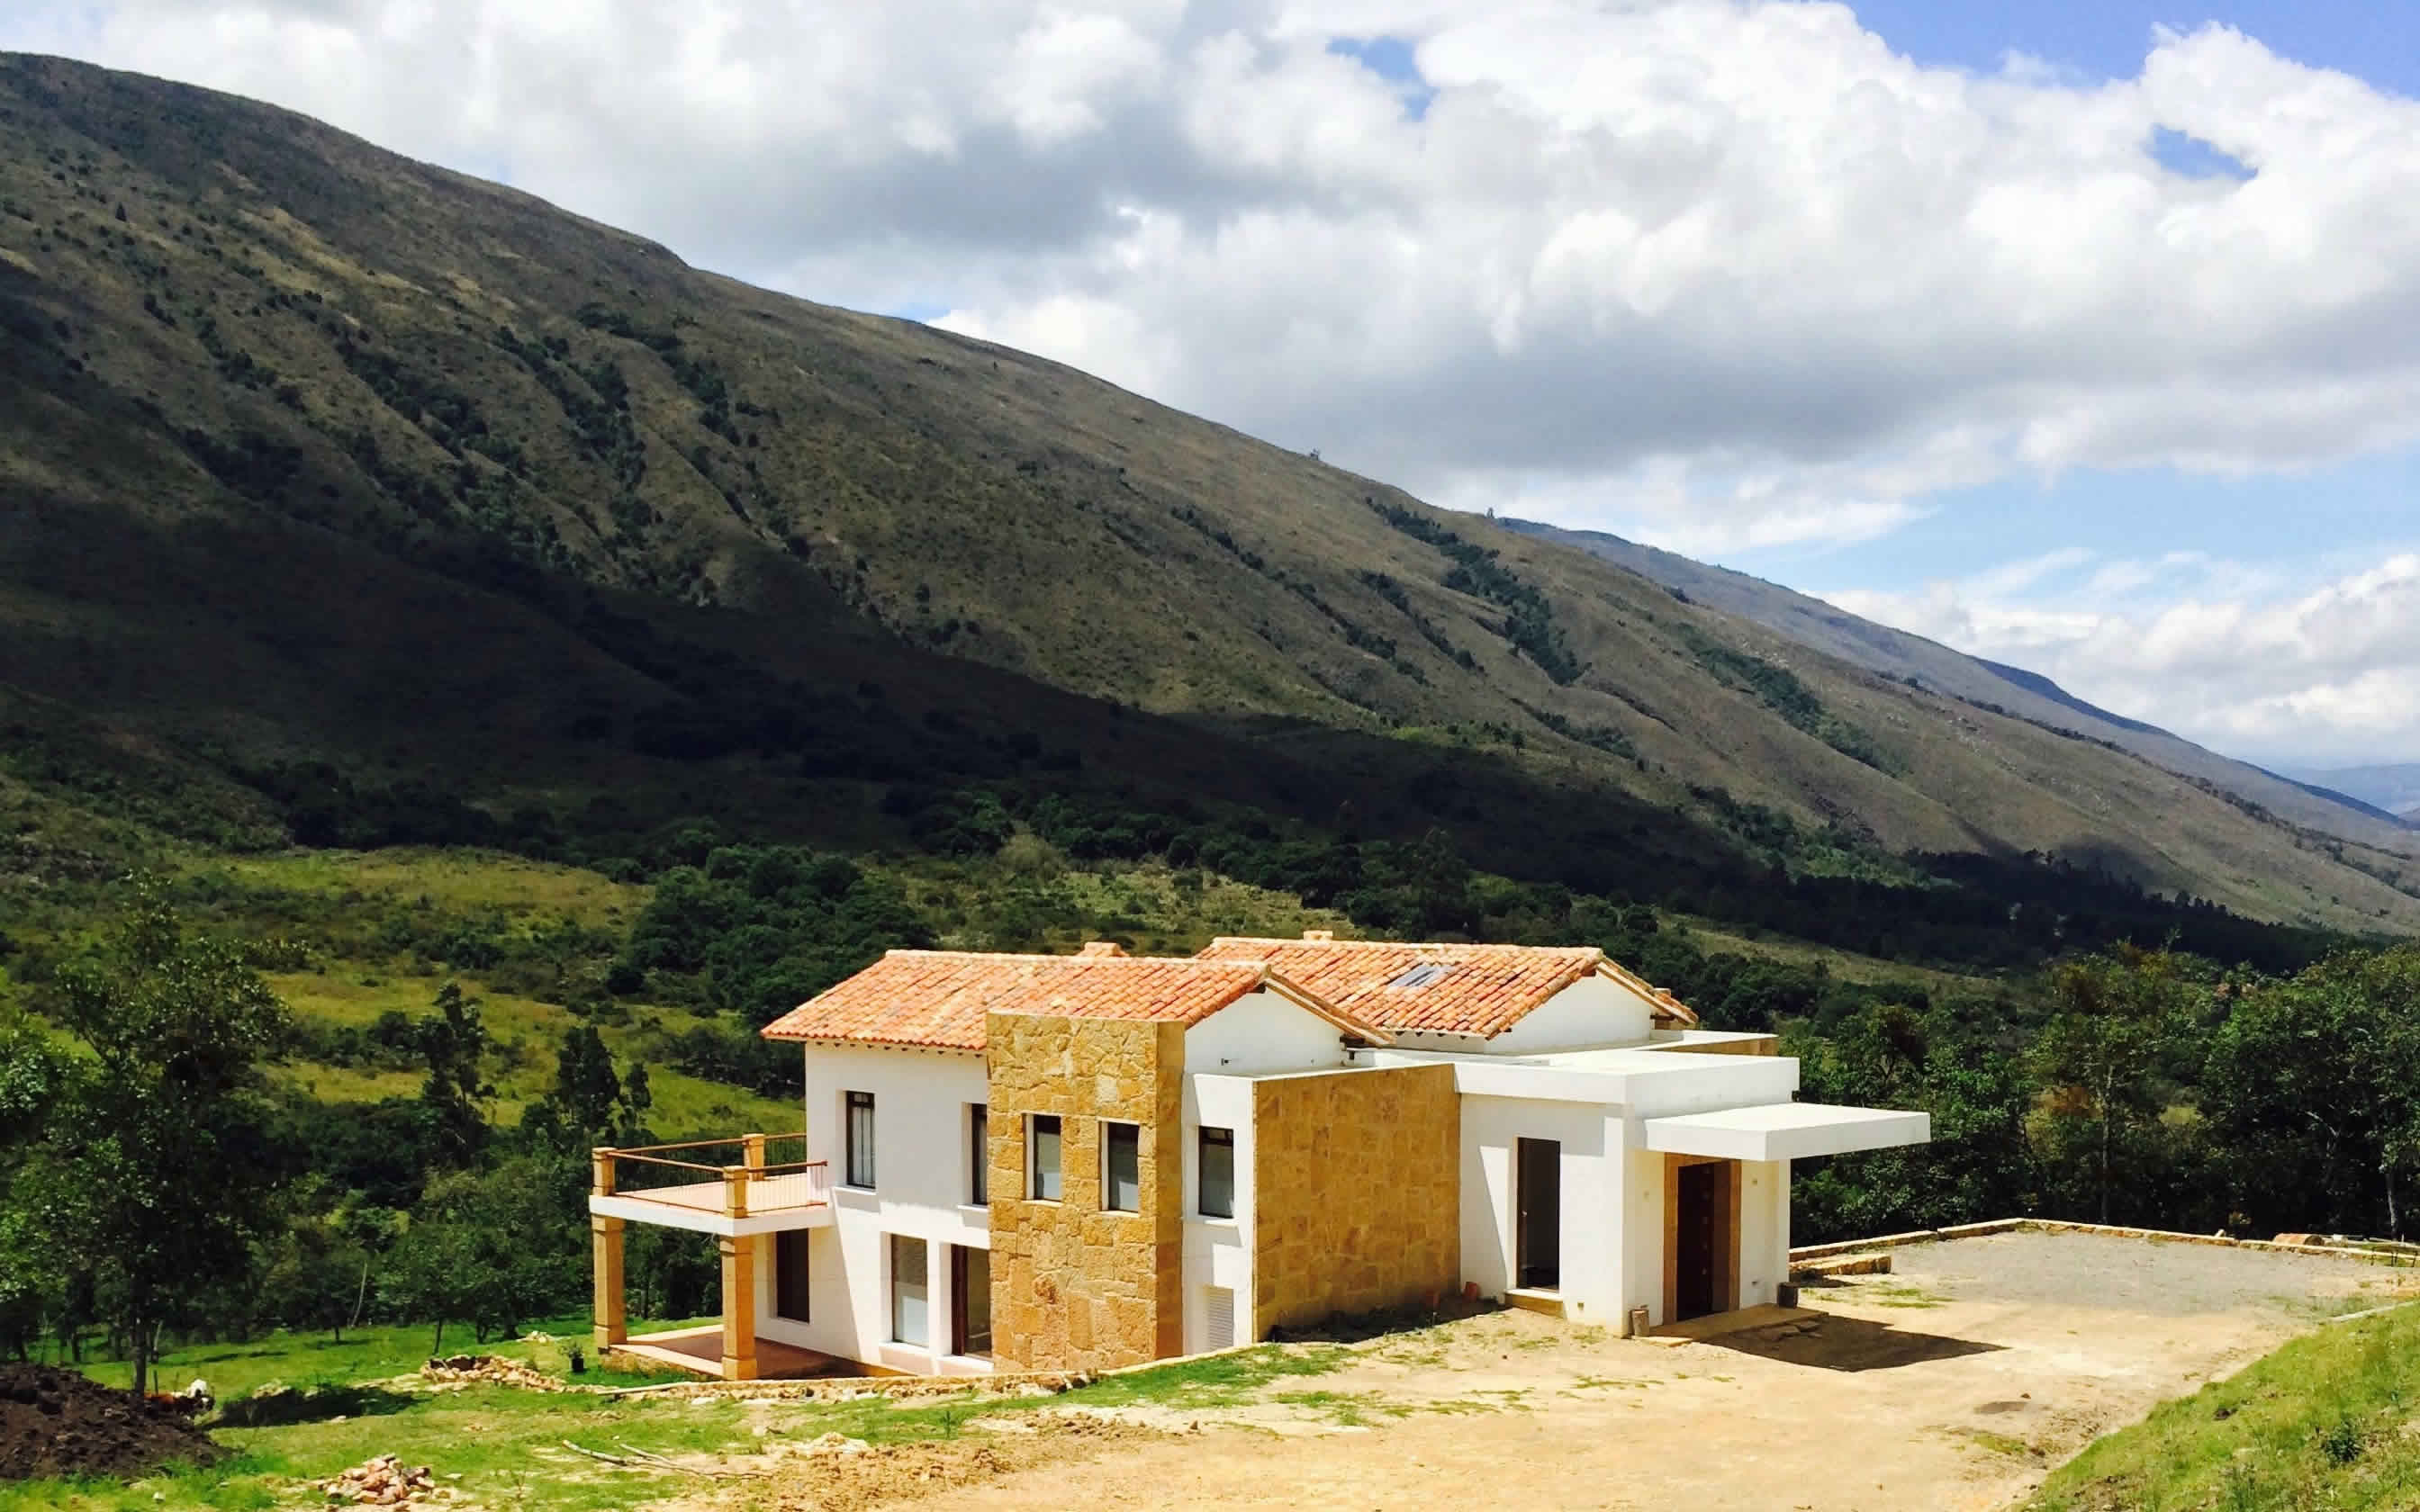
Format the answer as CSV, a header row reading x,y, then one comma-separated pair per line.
x,y
2085,336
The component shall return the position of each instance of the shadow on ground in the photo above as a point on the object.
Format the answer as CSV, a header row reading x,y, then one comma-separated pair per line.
x,y
276,1407
1835,1343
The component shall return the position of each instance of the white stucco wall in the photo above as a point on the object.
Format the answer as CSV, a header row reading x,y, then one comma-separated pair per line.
x,y
1590,1011
1593,1211
922,1174
1764,1230
1260,1032
1218,1251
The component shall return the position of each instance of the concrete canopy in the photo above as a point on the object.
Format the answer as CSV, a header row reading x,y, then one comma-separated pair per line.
x,y
1785,1130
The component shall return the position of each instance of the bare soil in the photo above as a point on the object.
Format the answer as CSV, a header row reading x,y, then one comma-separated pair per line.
x,y
1952,1386
61,1423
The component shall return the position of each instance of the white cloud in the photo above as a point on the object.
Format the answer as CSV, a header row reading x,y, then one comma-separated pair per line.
x,y
2222,652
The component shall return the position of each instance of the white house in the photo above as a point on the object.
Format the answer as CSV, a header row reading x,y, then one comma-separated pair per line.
x,y
1070,1162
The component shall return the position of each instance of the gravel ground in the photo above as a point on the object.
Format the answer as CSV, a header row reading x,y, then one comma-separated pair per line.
x,y
1952,1386
2139,1276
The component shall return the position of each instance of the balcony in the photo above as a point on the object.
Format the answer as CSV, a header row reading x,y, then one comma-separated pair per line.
x,y
730,1187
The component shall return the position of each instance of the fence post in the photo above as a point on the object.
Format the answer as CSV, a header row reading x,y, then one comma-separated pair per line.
x,y
601,1161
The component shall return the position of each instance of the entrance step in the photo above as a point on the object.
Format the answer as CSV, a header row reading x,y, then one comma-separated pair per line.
x,y
1762,1315
1536,1300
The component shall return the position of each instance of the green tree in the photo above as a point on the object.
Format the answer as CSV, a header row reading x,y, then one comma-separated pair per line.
x,y
2101,1060
155,1176
454,1044
587,1090
2312,1089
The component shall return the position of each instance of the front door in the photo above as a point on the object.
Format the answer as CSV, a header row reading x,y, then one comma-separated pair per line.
x,y
1701,1269
1538,1214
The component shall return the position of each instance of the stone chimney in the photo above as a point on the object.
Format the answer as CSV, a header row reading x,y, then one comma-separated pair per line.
x,y
1319,937
1102,947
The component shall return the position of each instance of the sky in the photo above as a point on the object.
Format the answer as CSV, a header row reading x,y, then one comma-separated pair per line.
x,y
2083,334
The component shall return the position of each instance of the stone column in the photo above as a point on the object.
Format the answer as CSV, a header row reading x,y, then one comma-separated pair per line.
x,y
611,1325
738,1307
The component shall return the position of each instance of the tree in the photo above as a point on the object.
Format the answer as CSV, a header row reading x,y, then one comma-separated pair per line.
x,y
454,1044
586,1091
2312,1089
155,1175
2100,1057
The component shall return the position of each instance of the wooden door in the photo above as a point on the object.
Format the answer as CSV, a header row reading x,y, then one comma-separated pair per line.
x,y
1700,1219
1538,1216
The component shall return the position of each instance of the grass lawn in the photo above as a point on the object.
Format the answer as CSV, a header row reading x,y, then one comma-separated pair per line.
x,y
2327,1421
506,1445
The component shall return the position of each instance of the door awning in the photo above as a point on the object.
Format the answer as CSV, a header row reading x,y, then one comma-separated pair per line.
x,y
1785,1130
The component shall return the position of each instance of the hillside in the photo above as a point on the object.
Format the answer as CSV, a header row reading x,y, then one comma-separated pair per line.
x,y
2395,787
2346,808
324,474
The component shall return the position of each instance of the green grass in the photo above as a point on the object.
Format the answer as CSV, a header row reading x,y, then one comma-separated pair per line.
x,y
2325,1422
505,1444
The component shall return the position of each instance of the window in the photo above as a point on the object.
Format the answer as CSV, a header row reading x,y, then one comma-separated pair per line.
x,y
790,1274
1427,974
1120,1167
860,1139
978,1155
1217,1173
907,1291
971,1285
1041,1157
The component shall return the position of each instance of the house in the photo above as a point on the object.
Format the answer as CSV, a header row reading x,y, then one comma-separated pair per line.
x,y
1033,1162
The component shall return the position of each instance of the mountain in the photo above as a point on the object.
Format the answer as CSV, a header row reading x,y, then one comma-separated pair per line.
x,y
327,475
1991,685
2394,788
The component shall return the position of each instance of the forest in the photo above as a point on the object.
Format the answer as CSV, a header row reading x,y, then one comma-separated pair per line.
x,y
165,1177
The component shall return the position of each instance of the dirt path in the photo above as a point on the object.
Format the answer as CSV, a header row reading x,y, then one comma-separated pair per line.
x,y
1954,1384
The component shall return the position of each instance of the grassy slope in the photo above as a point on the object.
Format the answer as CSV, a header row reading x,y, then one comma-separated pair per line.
x,y
335,902
321,295
505,1446
2327,1421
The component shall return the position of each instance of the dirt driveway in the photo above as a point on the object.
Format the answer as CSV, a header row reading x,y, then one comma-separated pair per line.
x,y
1955,1383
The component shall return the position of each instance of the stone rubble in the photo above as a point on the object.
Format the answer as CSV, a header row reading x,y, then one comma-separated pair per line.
x,y
489,1369
385,1481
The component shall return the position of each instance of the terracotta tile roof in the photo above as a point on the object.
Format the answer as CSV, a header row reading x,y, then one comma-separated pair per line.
x,y
1480,990
938,998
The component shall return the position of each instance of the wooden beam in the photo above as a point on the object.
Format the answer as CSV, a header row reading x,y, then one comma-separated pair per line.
x,y
611,1325
738,1307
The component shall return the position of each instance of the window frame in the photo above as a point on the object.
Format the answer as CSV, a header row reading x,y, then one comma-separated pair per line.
x,y
857,1155
978,1155
923,1295
1202,1143
1033,1169
1112,1132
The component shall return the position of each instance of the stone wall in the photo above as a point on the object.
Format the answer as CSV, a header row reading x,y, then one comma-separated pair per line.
x,y
1074,1287
1357,1193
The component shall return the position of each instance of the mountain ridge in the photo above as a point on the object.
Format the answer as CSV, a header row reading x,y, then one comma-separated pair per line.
x,y
232,329
1895,653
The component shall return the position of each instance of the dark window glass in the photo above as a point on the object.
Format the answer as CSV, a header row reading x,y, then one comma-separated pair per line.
x,y
1044,1146
861,1138
1121,1167
978,1154
1217,1168
790,1274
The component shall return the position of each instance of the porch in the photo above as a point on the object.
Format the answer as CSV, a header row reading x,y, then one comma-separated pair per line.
x,y
728,1188
699,1350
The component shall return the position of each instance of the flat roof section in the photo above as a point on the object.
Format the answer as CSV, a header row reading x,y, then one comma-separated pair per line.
x,y
1785,1130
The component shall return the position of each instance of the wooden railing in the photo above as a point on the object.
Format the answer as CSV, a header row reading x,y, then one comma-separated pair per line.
x,y
751,1184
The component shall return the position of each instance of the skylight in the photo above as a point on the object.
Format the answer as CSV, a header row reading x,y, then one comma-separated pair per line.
x,y
1427,974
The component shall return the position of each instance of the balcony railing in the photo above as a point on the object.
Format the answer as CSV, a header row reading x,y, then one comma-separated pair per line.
x,y
733,1177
